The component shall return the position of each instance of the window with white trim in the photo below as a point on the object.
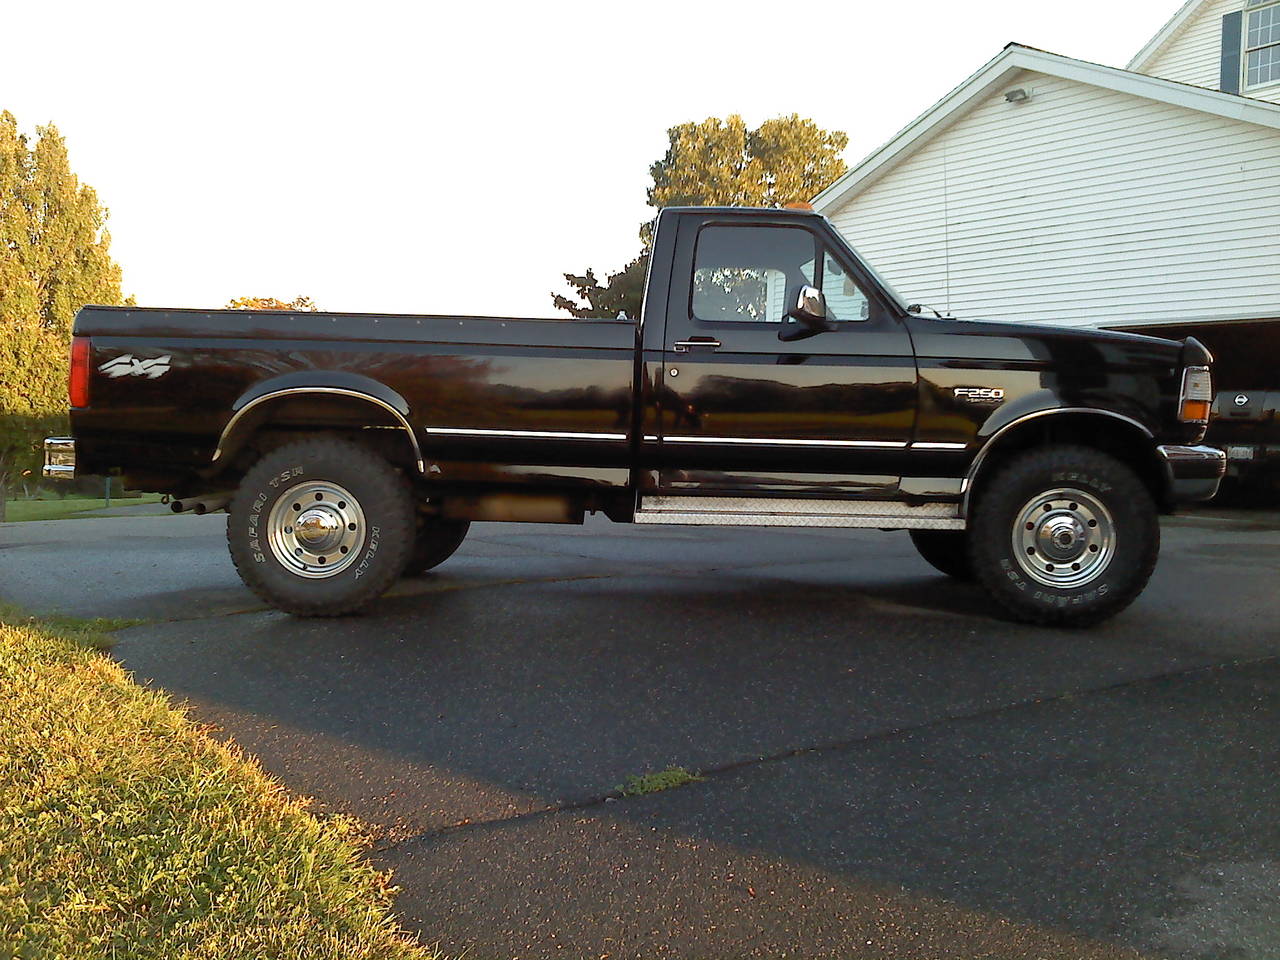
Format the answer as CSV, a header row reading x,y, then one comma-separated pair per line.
x,y
1261,43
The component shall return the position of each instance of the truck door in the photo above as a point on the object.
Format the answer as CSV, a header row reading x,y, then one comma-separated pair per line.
x,y
740,411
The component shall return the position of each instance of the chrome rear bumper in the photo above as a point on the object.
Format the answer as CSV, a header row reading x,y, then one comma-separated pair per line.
x,y
59,458
1193,473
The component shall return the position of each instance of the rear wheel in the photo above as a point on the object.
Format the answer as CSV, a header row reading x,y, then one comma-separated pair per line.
x,y
436,542
946,550
1064,535
321,527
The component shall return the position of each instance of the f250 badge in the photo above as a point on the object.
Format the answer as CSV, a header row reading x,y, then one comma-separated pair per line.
x,y
979,394
130,366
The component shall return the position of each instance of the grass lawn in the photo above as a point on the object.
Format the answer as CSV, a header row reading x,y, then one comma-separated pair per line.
x,y
70,507
125,831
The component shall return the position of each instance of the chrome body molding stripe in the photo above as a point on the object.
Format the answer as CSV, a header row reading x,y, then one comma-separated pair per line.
x,y
759,512
774,442
921,445
521,434
991,441
340,391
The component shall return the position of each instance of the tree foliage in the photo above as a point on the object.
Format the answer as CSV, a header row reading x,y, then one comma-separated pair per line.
x,y
718,163
297,304
722,163
620,294
54,258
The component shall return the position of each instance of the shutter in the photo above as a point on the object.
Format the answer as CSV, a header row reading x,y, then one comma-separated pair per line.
x,y
1232,42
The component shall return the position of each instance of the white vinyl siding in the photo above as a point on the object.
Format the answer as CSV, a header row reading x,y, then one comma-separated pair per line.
x,y
1194,54
1083,206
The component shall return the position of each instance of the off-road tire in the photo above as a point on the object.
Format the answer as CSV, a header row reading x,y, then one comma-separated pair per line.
x,y
381,537
1005,505
436,542
947,551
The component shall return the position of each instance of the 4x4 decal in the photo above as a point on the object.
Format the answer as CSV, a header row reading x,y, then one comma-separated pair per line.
x,y
130,366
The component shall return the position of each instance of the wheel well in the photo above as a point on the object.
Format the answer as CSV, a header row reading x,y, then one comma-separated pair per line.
x,y
1123,440
275,421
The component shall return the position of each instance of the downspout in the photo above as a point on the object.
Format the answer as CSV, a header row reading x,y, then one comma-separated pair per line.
x,y
946,231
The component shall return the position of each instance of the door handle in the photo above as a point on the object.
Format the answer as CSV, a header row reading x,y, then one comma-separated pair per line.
x,y
684,346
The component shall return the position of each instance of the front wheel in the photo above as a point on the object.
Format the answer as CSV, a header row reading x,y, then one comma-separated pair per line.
x,y
1064,535
321,527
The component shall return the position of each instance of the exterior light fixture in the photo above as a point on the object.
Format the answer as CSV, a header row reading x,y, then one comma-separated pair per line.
x,y
1018,95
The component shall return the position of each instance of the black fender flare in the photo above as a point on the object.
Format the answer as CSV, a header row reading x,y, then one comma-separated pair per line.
x,y
249,406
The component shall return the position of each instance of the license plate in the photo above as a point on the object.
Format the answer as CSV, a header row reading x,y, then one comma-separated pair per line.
x,y
1240,453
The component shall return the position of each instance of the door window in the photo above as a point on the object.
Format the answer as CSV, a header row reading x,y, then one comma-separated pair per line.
x,y
750,274
744,274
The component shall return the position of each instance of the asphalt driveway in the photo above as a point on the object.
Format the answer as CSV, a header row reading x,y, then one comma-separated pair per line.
x,y
890,771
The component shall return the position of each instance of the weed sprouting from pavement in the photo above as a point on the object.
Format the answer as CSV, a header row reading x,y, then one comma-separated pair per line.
x,y
667,779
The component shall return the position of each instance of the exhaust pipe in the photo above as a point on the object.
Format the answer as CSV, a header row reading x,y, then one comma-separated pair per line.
x,y
210,503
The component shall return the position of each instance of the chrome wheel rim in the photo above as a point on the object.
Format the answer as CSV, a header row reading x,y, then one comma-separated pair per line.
x,y
1064,538
316,529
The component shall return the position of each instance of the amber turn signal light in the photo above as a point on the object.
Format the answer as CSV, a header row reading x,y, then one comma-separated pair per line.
x,y
1197,395
78,381
1195,411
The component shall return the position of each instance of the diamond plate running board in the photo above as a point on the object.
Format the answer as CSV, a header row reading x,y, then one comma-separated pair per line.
x,y
756,512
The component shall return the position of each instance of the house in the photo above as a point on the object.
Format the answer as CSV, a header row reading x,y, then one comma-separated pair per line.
x,y
1049,189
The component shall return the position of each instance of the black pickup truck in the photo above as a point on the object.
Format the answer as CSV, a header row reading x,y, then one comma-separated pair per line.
x,y
773,379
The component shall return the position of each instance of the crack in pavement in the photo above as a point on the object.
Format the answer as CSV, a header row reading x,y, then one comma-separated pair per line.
x,y
710,774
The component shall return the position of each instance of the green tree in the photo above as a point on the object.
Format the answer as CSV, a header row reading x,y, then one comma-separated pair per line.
x,y
54,258
297,304
717,163
621,293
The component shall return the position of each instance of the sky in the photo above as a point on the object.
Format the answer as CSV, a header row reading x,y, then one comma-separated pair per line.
x,y
459,158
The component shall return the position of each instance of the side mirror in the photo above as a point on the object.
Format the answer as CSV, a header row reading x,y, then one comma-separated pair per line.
x,y
809,312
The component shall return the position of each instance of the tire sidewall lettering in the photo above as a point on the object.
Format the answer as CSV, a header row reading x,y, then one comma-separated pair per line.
x,y
1088,480
255,522
371,551
259,504
1012,573
284,476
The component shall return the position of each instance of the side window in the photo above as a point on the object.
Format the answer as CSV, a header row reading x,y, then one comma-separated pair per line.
x,y
743,274
845,301
1262,43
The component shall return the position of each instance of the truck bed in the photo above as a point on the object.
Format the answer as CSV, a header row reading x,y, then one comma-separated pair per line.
x,y
475,391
